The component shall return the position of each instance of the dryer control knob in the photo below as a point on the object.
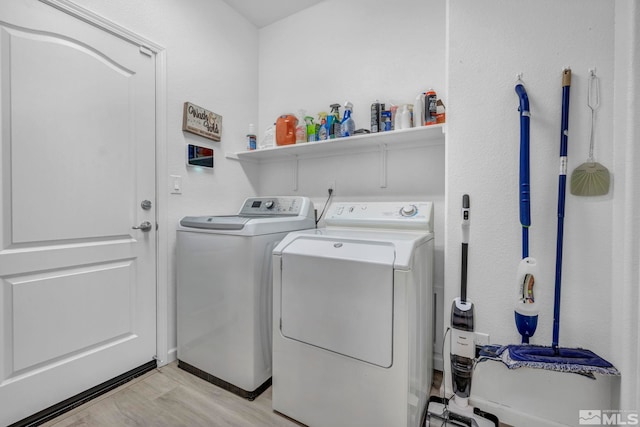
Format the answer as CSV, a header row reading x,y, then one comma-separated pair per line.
x,y
408,210
268,204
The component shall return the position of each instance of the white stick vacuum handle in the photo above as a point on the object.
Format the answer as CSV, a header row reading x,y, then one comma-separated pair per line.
x,y
466,218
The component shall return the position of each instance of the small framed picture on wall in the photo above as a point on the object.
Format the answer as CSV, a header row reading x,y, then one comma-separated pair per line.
x,y
201,121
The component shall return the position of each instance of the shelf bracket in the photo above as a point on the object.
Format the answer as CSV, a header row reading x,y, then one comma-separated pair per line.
x,y
294,174
383,165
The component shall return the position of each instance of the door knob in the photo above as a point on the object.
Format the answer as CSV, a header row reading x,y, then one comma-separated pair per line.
x,y
145,226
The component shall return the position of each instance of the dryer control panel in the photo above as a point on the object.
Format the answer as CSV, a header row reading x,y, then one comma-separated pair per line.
x,y
393,215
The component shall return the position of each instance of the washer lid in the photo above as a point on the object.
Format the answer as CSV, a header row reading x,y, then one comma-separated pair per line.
x,y
228,222
258,216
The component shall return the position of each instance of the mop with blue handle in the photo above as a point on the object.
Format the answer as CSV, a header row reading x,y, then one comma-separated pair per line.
x,y
562,185
575,360
526,309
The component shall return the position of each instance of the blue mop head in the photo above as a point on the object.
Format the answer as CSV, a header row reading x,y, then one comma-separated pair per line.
x,y
575,360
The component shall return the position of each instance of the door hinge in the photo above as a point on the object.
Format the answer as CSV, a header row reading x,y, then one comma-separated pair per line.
x,y
146,51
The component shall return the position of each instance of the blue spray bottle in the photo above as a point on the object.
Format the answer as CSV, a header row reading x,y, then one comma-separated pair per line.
x,y
348,125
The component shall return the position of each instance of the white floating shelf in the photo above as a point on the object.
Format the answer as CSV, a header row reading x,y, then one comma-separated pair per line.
x,y
405,138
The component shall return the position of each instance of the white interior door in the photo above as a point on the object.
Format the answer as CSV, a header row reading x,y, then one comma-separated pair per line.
x,y
77,156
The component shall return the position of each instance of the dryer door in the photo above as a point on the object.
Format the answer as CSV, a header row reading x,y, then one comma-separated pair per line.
x,y
338,295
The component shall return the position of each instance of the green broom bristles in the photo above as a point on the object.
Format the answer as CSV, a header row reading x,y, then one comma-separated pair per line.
x,y
590,179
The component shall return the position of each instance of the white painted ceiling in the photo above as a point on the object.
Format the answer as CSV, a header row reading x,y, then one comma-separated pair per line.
x,y
265,12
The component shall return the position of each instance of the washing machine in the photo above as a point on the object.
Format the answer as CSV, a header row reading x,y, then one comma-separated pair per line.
x,y
353,309
224,290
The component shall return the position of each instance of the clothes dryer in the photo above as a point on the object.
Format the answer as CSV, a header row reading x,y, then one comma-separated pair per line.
x,y
353,309
224,290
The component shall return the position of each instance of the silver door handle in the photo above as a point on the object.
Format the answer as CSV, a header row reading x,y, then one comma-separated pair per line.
x,y
145,226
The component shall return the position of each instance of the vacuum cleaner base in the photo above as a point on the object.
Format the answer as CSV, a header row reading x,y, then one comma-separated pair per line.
x,y
442,412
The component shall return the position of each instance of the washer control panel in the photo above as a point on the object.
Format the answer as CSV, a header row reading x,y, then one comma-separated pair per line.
x,y
276,206
407,215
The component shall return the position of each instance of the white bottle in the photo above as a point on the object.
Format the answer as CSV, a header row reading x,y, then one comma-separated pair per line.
x,y
405,117
397,119
418,111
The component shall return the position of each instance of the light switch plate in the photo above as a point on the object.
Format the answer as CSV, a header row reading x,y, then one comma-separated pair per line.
x,y
175,183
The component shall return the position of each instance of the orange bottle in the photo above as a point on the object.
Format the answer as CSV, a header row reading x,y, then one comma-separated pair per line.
x,y
286,129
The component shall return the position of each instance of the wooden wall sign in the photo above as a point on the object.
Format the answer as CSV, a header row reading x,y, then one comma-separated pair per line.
x,y
201,122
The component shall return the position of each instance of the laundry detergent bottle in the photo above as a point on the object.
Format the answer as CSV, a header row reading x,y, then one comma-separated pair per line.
x,y
286,129
348,125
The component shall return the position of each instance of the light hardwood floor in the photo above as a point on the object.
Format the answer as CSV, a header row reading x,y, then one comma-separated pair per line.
x,y
171,397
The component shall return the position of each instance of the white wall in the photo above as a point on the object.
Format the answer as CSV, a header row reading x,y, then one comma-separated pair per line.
x,y
212,61
356,50
490,42
626,216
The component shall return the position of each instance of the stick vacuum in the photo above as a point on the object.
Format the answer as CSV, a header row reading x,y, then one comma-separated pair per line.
x,y
457,411
463,349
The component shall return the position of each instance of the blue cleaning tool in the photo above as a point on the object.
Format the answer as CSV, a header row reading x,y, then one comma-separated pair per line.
x,y
574,360
577,360
525,188
526,309
562,185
